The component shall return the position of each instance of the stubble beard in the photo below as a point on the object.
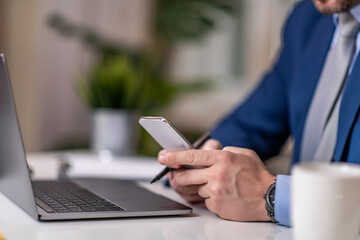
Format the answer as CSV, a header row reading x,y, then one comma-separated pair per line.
x,y
338,7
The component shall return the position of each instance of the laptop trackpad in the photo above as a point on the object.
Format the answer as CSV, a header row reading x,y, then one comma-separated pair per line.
x,y
128,194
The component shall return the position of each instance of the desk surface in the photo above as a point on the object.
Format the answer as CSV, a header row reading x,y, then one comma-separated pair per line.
x,y
17,225
202,224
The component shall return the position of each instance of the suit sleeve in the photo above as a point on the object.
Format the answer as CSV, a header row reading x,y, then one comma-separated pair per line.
x,y
261,122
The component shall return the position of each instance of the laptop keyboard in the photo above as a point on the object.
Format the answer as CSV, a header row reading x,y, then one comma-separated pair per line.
x,y
67,197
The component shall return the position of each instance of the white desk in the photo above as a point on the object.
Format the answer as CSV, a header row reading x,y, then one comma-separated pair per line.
x,y
202,224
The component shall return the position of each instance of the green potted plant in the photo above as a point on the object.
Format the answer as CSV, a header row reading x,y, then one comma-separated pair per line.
x,y
111,89
117,92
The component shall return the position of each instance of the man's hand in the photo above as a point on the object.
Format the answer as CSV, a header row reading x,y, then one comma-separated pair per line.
x,y
190,192
232,183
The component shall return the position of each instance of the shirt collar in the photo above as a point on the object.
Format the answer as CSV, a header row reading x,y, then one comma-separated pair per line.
x,y
355,11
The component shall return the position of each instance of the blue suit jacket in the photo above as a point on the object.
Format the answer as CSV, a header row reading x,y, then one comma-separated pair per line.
x,y
279,105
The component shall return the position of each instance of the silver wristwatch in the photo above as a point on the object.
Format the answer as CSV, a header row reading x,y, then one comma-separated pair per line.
x,y
269,197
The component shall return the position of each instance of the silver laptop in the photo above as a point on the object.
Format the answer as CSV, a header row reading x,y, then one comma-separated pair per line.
x,y
66,199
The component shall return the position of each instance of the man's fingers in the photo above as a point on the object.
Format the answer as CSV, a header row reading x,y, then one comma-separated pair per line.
x,y
203,191
247,152
190,177
160,156
212,144
184,190
193,198
189,157
187,190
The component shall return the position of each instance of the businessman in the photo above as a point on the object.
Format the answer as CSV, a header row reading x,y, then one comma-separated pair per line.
x,y
312,93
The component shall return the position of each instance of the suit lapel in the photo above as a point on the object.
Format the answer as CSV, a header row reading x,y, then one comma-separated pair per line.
x,y
348,110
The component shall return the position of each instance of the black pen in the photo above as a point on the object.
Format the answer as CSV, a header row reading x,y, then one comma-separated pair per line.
x,y
196,145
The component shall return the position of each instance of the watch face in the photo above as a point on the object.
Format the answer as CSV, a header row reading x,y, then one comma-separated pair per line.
x,y
272,197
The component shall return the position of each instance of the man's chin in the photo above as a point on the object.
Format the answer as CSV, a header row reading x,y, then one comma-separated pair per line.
x,y
335,6
327,10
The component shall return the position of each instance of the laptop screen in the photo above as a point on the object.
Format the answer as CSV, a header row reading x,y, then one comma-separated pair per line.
x,y
14,175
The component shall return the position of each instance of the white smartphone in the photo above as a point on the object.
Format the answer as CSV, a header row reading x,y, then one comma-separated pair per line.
x,y
165,133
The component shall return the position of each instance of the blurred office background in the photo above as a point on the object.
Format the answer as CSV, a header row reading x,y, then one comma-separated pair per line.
x,y
44,65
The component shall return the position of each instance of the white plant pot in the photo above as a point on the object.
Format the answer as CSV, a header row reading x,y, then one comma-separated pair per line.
x,y
114,131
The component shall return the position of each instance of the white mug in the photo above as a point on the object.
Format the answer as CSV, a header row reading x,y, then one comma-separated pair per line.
x,y
325,201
